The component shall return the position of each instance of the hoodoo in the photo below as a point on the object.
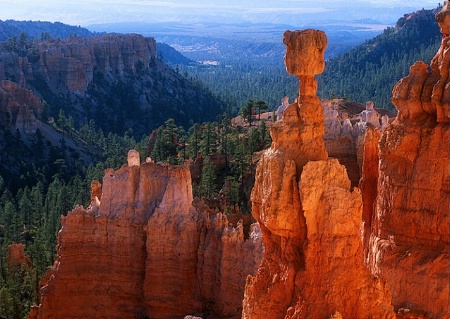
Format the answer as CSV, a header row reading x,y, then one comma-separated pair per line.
x,y
141,250
310,219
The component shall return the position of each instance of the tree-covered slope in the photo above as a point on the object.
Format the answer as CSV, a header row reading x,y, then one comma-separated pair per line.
x,y
370,71
35,29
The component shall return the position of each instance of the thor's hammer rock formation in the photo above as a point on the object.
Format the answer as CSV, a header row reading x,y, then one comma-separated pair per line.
x,y
310,220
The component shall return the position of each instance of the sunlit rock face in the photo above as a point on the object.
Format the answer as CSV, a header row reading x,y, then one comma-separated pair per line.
x,y
142,250
310,219
409,241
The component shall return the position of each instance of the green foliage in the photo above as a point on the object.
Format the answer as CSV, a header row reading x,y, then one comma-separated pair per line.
x,y
208,185
247,110
261,106
227,153
370,71
40,30
238,81
18,291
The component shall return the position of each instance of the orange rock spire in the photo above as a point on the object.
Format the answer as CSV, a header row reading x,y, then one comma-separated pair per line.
x,y
310,219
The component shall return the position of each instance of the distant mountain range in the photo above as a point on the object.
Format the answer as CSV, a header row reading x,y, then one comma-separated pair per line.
x,y
228,42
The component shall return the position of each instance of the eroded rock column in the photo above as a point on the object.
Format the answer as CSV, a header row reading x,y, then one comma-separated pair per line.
x,y
310,219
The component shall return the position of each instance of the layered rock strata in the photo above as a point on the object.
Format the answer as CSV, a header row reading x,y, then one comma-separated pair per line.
x,y
70,65
19,107
313,264
143,251
409,241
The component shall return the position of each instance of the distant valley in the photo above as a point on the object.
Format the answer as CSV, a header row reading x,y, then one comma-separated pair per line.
x,y
231,42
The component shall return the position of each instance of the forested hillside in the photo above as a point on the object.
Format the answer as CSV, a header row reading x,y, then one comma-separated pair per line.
x,y
222,166
41,29
370,71
70,108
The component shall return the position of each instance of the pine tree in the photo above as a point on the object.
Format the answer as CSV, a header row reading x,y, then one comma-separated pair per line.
x,y
209,138
194,137
208,185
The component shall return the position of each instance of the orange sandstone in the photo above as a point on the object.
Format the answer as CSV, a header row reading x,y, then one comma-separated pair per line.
x,y
310,219
409,241
142,250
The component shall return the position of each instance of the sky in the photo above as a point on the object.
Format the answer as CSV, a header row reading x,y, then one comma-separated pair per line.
x,y
86,12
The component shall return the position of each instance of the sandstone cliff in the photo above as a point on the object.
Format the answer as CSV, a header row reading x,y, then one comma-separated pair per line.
x,y
142,250
71,64
116,79
409,238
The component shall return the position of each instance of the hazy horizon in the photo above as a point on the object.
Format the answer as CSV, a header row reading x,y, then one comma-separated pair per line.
x,y
85,13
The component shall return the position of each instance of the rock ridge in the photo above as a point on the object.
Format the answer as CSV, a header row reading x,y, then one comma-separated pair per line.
x,y
19,108
409,235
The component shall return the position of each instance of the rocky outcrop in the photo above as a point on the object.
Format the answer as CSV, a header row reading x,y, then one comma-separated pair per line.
x,y
19,108
142,250
346,124
71,64
409,238
310,219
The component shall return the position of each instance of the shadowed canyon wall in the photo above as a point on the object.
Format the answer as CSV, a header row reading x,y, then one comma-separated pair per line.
x,y
19,107
71,64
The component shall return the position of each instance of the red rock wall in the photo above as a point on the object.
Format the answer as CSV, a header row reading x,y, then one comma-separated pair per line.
x,y
16,256
144,250
382,252
99,269
409,245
